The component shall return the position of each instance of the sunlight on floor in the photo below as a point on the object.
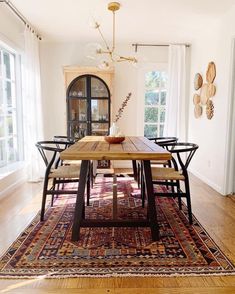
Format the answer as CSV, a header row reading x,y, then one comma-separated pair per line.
x,y
23,283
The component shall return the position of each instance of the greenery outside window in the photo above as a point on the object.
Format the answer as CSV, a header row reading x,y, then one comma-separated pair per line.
x,y
9,109
155,103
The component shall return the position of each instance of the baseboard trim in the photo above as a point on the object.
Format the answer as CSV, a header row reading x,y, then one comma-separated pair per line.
x,y
208,182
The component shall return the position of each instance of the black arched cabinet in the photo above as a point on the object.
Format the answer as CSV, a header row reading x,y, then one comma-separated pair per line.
x,y
88,106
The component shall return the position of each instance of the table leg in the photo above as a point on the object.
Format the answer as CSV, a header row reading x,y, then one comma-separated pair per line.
x,y
80,200
151,200
134,166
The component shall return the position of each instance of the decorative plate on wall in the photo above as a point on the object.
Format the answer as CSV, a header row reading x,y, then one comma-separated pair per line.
x,y
198,81
211,72
196,99
197,111
211,90
204,96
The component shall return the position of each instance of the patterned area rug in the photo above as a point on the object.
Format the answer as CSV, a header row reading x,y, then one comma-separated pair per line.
x,y
45,248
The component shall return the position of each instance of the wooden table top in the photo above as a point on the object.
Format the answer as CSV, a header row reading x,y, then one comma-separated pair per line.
x,y
132,148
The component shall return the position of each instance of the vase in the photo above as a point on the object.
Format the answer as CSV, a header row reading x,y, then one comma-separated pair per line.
x,y
114,130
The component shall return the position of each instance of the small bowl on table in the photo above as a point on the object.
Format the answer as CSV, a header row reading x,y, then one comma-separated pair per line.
x,y
114,140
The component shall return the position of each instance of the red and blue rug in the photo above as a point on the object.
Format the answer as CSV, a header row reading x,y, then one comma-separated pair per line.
x,y
45,248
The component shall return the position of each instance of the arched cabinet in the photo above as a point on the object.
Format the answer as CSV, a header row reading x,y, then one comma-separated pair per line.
x,y
88,100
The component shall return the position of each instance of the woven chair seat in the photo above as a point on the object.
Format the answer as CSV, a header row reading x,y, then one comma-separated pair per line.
x,y
161,173
66,171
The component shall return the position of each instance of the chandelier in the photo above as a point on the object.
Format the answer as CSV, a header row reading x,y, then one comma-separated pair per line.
x,y
108,50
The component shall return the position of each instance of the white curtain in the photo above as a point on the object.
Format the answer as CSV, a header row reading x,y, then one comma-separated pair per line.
x,y
32,106
175,123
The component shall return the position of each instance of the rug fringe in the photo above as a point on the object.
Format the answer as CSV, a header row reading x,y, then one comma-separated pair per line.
x,y
115,275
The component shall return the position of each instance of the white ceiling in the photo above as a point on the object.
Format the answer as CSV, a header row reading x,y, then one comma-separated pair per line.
x,y
136,21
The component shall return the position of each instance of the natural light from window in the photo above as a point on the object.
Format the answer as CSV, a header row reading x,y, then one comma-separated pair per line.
x,y
155,103
9,151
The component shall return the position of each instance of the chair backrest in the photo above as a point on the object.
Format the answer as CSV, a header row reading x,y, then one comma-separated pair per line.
x,y
184,153
161,141
50,152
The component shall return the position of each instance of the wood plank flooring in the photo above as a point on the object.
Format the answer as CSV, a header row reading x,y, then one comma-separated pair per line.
x,y
215,212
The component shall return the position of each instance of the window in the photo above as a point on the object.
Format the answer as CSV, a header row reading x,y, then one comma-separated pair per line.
x,y
9,109
155,103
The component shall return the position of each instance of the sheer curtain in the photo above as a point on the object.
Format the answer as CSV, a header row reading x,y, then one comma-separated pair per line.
x,y
175,123
32,106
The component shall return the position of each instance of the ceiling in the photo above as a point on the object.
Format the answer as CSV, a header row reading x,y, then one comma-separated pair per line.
x,y
136,21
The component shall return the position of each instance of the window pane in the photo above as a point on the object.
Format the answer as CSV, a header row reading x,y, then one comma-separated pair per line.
x,y
151,98
2,153
162,115
161,130
78,109
2,131
11,148
152,80
7,68
163,97
98,88
151,114
99,109
99,129
150,131
8,94
163,80
78,89
9,125
1,97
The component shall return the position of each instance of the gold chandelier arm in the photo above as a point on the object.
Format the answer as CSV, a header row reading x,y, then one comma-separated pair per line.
x,y
102,36
122,58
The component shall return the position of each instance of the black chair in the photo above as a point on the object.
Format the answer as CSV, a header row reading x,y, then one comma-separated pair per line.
x,y
182,154
70,141
57,173
161,141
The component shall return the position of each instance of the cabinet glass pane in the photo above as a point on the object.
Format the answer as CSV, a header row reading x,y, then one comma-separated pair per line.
x,y
99,110
99,129
78,88
78,109
78,130
98,88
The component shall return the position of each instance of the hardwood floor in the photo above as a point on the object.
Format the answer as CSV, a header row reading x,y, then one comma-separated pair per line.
x,y
216,213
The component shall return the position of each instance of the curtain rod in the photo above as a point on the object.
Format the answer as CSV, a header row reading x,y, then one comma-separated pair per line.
x,y
136,45
21,17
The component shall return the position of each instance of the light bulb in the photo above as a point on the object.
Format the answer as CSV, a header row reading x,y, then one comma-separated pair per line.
x,y
92,50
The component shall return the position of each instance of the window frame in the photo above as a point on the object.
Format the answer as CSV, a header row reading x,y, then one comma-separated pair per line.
x,y
12,166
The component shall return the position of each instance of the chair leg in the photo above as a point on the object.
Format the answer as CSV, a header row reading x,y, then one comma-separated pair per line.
x,y
88,189
179,192
142,187
188,199
53,196
44,196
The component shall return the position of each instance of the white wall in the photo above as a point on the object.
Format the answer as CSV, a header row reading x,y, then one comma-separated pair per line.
x,y
214,44
56,55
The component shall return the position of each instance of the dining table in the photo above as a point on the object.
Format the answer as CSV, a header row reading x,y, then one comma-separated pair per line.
x,y
134,148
